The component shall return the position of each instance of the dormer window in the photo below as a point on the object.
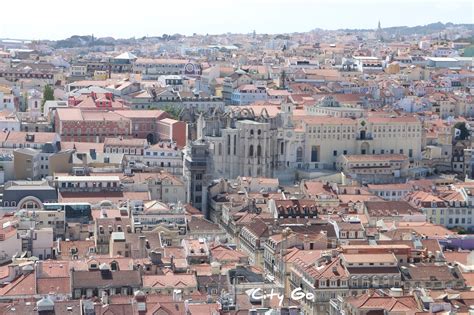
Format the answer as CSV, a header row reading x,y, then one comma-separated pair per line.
x,y
114,266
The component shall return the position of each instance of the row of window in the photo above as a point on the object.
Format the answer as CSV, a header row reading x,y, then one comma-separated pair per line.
x,y
334,129
456,221
78,132
391,193
148,153
34,146
452,211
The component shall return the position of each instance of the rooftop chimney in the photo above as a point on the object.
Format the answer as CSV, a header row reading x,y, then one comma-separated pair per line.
x,y
105,298
177,295
141,245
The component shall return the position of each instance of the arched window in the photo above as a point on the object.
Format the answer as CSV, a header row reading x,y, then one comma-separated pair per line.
x,y
13,204
251,132
114,266
282,148
6,204
259,132
251,150
259,150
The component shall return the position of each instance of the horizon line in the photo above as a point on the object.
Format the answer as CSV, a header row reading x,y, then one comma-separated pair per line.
x,y
238,33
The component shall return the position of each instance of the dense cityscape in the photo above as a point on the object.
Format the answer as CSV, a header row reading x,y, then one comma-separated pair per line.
x,y
320,172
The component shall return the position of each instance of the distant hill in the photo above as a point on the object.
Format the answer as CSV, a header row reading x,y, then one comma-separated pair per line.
x,y
420,29
84,41
424,29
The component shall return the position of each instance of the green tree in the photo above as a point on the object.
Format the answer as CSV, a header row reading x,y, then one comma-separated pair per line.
x,y
172,110
48,94
24,102
464,131
283,80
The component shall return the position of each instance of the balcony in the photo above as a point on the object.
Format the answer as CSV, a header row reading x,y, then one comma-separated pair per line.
x,y
364,137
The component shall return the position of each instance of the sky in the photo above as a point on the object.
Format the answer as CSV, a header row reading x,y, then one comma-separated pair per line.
x,y
58,19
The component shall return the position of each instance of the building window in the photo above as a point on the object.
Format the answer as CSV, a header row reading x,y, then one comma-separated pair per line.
x,y
251,150
235,144
299,154
314,154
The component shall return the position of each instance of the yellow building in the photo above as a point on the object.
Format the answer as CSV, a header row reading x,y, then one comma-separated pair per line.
x,y
100,75
393,68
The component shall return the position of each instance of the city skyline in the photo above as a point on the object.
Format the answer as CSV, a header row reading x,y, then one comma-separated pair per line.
x,y
213,17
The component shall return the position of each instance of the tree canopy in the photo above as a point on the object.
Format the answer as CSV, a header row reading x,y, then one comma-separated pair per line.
x,y
172,110
465,133
48,94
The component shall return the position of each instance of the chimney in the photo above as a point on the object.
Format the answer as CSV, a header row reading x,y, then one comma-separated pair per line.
x,y
39,268
71,101
172,262
215,268
104,298
12,271
177,295
87,307
141,301
141,245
